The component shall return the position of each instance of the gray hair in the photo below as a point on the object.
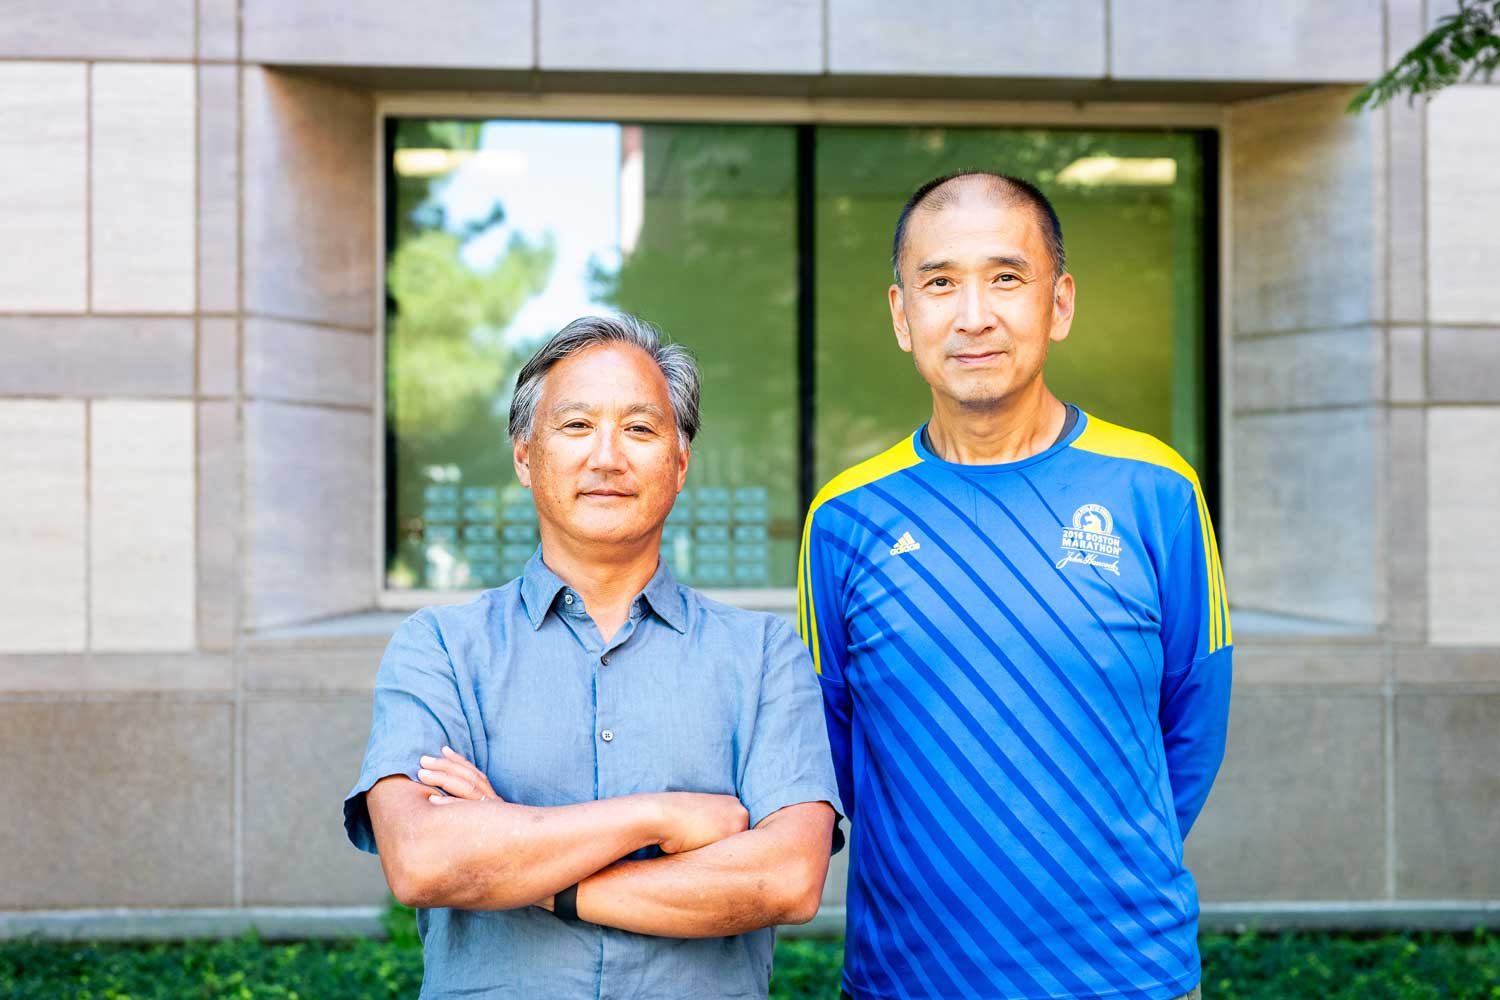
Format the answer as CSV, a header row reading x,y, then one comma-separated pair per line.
x,y
676,364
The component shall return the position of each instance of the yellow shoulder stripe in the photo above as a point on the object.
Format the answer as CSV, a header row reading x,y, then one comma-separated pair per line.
x,y
1104,438
895,458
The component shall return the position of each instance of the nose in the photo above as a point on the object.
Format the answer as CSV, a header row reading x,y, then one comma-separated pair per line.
x,y
975,314
606,454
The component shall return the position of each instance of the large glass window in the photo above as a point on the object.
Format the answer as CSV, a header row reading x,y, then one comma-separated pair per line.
x,y
1131,205
765,249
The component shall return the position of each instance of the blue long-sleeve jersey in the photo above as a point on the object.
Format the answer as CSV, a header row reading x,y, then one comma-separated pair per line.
x,y
1026,672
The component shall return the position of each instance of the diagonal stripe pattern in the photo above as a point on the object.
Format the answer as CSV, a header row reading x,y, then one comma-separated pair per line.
x,y
996,707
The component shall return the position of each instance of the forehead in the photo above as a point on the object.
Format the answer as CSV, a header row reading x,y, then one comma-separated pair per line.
x,y
607,375
978,220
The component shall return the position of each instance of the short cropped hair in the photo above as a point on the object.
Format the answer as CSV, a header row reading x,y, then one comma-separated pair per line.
x,y
932,195
676,364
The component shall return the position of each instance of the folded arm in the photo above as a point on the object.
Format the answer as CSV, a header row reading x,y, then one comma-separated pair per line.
x,y
496,855
770,875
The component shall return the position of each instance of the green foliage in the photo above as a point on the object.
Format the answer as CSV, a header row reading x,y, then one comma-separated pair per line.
x,y
1345,967
1248,966
1463,46
446,353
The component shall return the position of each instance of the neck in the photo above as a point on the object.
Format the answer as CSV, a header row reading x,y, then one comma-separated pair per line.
x,y
607,577
1009,431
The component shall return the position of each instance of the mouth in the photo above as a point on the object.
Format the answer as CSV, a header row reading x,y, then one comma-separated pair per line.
x,y
605,494
977,357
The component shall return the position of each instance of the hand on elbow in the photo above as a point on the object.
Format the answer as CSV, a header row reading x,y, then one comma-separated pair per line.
x,y
690,820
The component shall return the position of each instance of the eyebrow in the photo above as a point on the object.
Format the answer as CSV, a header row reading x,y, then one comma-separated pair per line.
x,y
571,405
1000,261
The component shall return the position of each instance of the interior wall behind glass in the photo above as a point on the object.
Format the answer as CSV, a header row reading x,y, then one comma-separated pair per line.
x,y
1131,208
504,231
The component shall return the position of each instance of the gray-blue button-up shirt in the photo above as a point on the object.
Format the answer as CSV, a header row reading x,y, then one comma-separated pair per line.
x,y
689,695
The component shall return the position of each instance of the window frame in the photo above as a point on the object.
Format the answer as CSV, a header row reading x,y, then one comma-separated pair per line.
x,y
814,111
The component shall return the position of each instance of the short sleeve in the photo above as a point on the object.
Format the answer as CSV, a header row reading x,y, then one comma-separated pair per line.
x,y
789,761
417,711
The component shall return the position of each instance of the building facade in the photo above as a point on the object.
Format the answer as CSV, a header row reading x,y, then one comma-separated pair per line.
x,y
220,490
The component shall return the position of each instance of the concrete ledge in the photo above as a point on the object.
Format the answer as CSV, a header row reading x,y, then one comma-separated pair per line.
x,y
1376,915
287,923
275,923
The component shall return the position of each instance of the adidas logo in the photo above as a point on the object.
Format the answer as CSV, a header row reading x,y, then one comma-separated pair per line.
x,y
905,544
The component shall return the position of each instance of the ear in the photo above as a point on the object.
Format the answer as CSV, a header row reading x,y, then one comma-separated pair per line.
x,y
683,456
1063,295
898,317
522,457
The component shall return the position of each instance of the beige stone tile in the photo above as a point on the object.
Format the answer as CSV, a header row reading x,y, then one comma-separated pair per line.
x,y
1438,665
310,501
98,29
1260,662
141,487
1304,225
707,36
43,186
218,356
489,34
43,528
1408,364
144,177
309,144
1327,368
301,757
218,188
1307,534
136,809
1297,811
1464,365
154,674
1404,28
1447,795
1407,548
96,356
1463,479
299,363
1282,40
344,668
1463,205
218,29
1407,198
1064,39
220,525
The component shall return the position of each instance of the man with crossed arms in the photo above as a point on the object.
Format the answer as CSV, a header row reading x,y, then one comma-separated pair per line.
x,y
593,710
1019,622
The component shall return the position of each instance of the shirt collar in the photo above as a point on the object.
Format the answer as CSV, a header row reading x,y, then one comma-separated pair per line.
x,y
540,587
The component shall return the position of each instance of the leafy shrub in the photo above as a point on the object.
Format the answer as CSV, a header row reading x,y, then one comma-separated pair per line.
x,y
1235,967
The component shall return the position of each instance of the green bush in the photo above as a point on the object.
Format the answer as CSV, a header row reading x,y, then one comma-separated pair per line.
x,y
1235,967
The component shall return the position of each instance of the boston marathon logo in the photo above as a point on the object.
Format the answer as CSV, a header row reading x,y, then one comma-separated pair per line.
x,y
1091,541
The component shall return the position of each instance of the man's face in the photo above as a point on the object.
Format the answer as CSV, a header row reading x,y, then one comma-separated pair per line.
x,y
603,464
978,307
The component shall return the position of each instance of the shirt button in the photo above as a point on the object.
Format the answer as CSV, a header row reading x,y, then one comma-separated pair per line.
x,y
567,598
604,660
607,735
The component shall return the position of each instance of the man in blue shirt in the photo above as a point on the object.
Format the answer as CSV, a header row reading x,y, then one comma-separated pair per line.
x,y
592,711
1019,622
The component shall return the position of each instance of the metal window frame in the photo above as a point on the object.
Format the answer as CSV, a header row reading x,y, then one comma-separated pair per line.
x,y
808,113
